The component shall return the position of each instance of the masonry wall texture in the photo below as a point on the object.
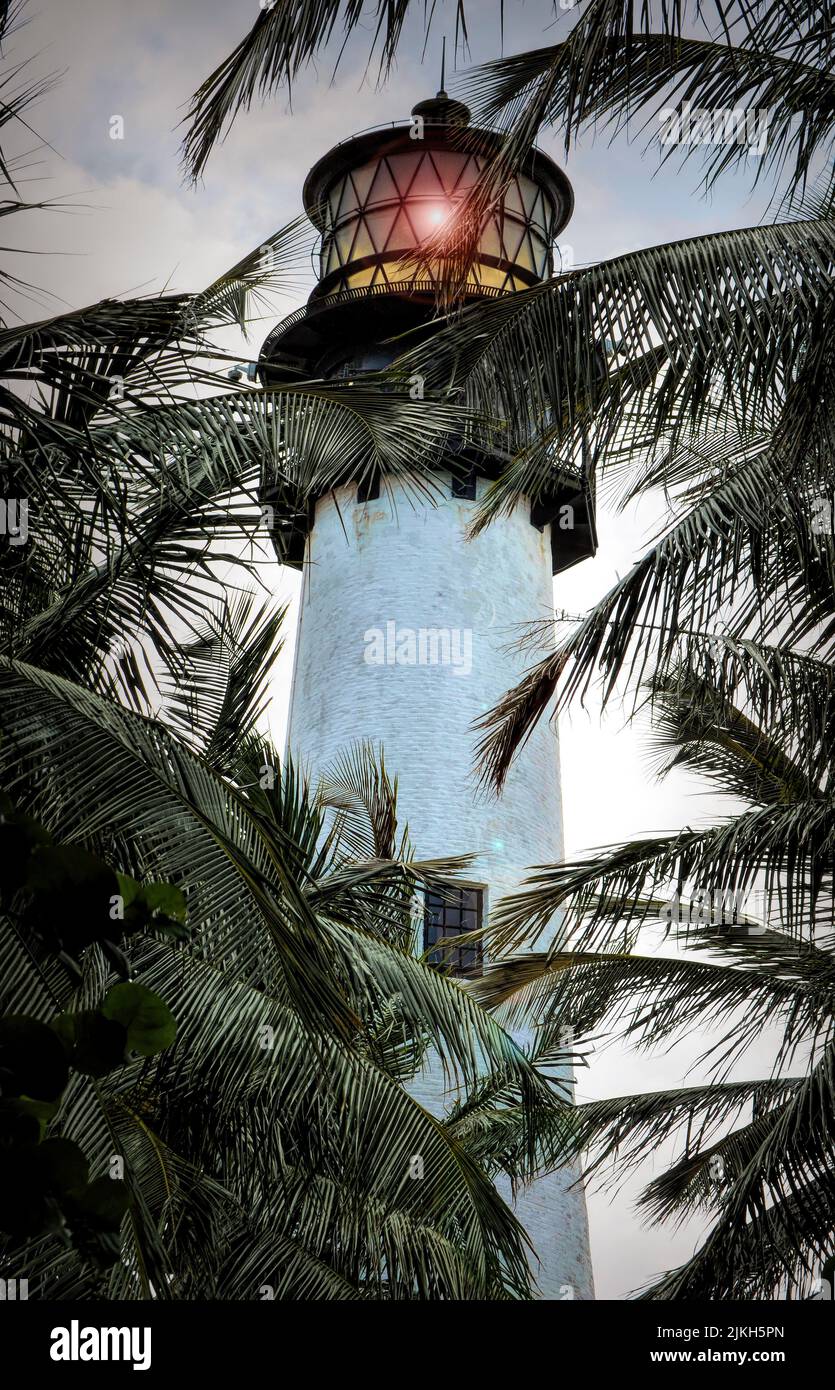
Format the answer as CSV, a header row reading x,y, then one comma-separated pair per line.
x,y
401,562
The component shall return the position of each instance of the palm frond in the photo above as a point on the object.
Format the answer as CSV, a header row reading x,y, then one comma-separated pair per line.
x,y
652,75
282,41
749,547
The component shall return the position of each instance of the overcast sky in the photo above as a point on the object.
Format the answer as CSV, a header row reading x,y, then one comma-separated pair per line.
x,y
137,228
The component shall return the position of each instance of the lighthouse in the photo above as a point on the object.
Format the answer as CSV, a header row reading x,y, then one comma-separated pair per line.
x,y
408,629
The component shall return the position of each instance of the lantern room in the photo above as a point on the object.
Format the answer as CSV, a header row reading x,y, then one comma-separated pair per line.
x,y
377,198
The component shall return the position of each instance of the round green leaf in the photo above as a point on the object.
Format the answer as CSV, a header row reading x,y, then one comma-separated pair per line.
x,y
153,907
147,1019
165,899
71,896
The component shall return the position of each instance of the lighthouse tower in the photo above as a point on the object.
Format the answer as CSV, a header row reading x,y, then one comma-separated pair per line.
x,y
407,629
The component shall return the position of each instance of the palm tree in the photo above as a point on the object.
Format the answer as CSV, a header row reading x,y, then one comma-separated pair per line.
x,y
619,54
625,64
284,1166
717,387
702,367
755,1157
273,1149
705,368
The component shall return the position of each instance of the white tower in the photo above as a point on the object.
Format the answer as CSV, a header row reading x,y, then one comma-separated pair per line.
x,y
407,629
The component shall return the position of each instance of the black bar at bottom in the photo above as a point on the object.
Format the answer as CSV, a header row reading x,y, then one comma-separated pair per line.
x,y
56,1340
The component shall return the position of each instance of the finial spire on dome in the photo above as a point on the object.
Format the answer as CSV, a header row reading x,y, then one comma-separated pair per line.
x,y
442,109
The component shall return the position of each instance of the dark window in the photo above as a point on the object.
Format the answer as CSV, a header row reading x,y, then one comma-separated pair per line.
x,y
449,913
541,514
464,486
369,488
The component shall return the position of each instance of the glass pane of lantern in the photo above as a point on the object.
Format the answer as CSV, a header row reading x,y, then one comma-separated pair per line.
x,y
383,187
489,241
428,215
363,178
427,182
402,234
491,276
530,193
543,267
513,200
538,210
404,168
451,168
379,225
524,256
542,216
359,278
514,237
469,174
341,197
363,244
348,201
343,242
